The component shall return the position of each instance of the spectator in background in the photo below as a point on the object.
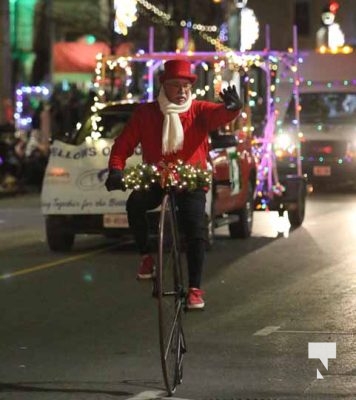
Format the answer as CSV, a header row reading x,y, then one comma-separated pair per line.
x,y
37,148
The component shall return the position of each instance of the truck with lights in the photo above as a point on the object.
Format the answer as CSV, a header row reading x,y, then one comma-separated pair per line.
x,y
326,127
244,173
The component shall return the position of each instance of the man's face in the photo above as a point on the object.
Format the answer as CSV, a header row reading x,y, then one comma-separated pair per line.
x,y
177,90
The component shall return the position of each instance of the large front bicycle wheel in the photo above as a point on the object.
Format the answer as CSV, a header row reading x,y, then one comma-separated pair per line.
x,y
171,297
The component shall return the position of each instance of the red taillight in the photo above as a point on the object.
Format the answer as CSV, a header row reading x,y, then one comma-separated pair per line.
x,y
326,150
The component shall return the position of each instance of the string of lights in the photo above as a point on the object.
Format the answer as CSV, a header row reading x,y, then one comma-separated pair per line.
x,y
167,20
23,120
152,8
179,175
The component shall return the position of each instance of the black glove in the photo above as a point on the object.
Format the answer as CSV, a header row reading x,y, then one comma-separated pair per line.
x,y
115,181
231,99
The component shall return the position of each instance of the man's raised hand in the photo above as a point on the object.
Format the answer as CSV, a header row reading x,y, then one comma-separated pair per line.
x,y
231,98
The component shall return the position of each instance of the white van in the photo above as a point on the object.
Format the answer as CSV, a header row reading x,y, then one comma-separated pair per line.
x,y
327,123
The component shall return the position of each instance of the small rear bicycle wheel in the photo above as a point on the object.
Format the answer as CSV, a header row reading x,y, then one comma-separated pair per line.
x,y
171,296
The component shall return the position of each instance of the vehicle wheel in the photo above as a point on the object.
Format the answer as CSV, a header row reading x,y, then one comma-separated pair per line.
x,y
297,213
59,236
243,228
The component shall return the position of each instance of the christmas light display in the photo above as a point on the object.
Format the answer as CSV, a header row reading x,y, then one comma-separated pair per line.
x,y
285,143
22,115
165,19
179,175
125,15
243,27
330,37
280,68
268,184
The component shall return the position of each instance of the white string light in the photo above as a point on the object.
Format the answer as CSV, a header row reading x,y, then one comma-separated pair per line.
x,y
168,18
125,15
155,10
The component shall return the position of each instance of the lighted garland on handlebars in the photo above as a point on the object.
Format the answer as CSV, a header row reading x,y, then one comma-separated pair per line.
x,y
183,177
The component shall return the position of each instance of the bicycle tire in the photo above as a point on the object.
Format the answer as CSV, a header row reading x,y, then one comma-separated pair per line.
x,y
171,296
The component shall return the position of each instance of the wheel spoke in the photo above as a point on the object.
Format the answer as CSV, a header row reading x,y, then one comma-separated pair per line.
x,y
173,329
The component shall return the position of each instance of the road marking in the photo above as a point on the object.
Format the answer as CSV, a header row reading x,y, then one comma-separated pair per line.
x,y
318,332
54,263
174,398
148,395
153,394
268,330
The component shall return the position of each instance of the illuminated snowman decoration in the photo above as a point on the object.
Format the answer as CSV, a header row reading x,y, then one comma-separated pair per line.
x,y
330,34
243,27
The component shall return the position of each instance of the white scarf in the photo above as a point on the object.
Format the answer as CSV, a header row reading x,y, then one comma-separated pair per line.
x,y
172,132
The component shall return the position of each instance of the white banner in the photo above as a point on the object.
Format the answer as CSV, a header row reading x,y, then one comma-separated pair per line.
x,y
75,177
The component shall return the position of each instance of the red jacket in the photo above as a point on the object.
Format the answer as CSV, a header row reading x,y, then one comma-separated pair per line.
x,y
145,127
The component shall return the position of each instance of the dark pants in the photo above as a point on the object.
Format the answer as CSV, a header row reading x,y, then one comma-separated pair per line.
x,y
191,217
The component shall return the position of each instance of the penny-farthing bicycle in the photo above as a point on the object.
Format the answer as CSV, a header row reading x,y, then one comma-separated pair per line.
x,y
168,283
171,296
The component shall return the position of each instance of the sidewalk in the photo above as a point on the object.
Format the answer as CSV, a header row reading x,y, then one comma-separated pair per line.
x,y
24,200
4,193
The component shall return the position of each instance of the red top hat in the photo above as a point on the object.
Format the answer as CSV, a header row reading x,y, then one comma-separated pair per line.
x,y
177,69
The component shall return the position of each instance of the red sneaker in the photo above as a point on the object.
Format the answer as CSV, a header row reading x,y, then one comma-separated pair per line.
x,y
195,300
146,269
